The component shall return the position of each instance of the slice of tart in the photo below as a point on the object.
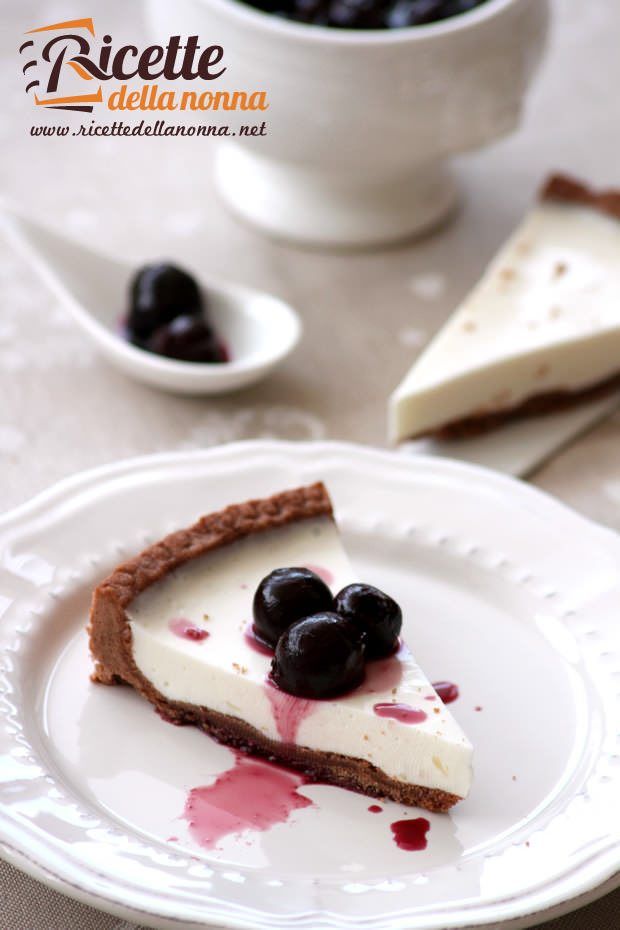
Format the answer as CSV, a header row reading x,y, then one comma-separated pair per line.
x,y
539,333
176,623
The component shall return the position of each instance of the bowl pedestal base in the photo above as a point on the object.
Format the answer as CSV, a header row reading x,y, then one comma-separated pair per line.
x,y
295,203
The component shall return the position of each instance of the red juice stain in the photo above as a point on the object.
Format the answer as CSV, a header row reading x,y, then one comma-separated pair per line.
x,y
186,629
478,708
404,713
252,795
256,644
411,834
323,573
446,690
375,809
288,711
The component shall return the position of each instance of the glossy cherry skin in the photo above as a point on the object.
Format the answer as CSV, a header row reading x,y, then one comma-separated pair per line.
x,y
287,595
367,14
319,657
372,613
187,338
159,293
413,13
355,14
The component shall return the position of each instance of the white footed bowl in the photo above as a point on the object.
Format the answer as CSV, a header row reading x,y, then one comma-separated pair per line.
x,y
361,124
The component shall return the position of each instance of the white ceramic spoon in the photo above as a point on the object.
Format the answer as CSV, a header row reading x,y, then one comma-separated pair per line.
x,y
258,329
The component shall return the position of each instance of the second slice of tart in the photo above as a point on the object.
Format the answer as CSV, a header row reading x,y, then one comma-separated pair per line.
x,y
540,332
175,623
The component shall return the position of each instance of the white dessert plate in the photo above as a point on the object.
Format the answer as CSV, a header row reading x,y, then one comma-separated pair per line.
x,y
505,592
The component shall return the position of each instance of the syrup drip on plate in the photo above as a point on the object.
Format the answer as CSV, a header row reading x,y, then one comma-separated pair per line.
x,y
184,628
252,795
446,690
411,834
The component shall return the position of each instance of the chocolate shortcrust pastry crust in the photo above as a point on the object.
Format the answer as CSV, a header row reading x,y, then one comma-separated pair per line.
x,y
538,405
562,187
111,644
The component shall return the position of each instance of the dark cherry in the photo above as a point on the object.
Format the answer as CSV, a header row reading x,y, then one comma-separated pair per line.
x,y
366,14
374,613
414,13
278,7
309,11
456,7
355,14
160,293
319,657
287,595
187,338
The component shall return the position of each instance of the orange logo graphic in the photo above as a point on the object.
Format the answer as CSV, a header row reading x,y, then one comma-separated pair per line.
x,y
56,57
67,66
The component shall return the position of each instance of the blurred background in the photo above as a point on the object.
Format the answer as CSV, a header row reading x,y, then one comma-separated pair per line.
x,y
366,314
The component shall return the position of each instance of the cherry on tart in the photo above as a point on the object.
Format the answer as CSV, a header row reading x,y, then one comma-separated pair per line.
x,y
284,596
319,657
374,614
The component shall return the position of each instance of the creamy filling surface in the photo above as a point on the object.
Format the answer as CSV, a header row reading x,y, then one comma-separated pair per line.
x,y
544,317
224,672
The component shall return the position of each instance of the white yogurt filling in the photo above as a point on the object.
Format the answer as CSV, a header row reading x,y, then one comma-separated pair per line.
x,y
223,672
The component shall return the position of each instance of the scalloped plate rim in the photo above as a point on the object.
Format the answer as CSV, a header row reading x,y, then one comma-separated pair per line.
x,y
589,885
